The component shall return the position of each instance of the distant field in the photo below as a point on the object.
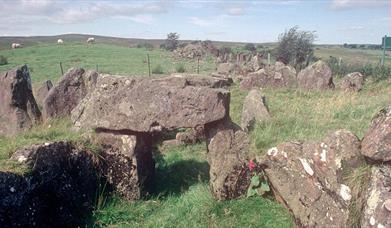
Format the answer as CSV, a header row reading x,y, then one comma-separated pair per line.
x,y
352,56
44,60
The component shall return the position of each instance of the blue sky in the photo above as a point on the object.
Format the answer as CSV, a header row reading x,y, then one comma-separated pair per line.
x,y
335,21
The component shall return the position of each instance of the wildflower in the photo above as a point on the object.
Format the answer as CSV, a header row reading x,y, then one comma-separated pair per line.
x,y
251,165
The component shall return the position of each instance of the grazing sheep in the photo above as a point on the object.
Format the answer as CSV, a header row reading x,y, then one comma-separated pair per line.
x,y
91,40
60,41
16,45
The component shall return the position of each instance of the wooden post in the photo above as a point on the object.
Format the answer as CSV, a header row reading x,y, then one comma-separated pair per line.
x,y
149,66
339,61
198,65
268,58
62,71
384,51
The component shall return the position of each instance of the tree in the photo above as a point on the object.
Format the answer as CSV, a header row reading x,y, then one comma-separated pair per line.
x,y
250,47
295,46
172,41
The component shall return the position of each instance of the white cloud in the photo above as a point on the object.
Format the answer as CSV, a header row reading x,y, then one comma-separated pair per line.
x,y
351,4
201,22
235,11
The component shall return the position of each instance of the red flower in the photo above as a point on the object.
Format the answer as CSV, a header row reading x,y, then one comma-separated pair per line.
x,y
251,165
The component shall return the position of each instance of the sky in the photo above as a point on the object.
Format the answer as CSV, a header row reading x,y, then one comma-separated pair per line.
x,y
334,21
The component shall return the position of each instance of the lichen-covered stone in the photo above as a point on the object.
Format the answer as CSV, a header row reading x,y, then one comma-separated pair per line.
x,y
18,108
352,82
317,76
254,109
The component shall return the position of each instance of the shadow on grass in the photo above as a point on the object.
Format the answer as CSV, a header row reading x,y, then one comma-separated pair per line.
x,y
177,177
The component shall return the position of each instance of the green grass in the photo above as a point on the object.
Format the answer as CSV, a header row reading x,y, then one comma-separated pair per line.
x,y
182,197
44,60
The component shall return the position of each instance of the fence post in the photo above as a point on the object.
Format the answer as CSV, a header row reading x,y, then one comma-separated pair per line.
x,y
339,61
384,50
97,70
198,65
268,58
62,71
149,66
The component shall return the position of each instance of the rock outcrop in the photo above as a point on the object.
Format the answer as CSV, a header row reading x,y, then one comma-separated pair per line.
x,y
376,143
254,109
310,178
276,76
18,108
72,88
352,82
157,104
59,188
377,211
317,76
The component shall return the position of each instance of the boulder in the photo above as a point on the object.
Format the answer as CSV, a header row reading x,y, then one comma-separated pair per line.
x,y
72,88
128,164
254,109
376,143
43,91
256,63
276,76
202,80
352,82
310,178
140,104
59,187
227,155
191,136
18,108
377,210
317,76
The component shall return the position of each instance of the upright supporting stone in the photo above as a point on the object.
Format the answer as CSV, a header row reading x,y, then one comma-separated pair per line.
x,y
227,156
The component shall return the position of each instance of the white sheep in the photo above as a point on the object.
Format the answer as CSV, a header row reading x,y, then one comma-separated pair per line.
x,y
91,40
16,45
60,41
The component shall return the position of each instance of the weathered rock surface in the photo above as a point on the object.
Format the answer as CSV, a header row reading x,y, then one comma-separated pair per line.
x,y
140,104
377,211
309,178
59,188
72,88
43,91
352,82
227,155
128,164
254,109
278,75
376,143
191,136
201,80
18,108
317,76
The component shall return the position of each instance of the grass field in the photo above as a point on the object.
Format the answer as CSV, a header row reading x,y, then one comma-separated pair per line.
x,y
183,198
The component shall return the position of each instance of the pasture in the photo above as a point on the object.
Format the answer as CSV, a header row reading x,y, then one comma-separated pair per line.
x,y
183,198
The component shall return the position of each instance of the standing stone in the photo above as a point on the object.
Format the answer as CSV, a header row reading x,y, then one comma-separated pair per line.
x,y
227,155
276,76
18,108
43,91
254,109
352,82
129,167
65,96
377,211
317,76
376,144
310,178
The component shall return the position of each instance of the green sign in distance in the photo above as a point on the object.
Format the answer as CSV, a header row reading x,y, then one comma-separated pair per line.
x,y
387,41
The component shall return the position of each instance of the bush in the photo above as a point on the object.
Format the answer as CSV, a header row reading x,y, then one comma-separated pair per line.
x,y
172,41
295,47
250,47
158,69
180,68
145,45
3,60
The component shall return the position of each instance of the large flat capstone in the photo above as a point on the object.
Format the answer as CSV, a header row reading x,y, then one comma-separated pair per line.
x,y
151,104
